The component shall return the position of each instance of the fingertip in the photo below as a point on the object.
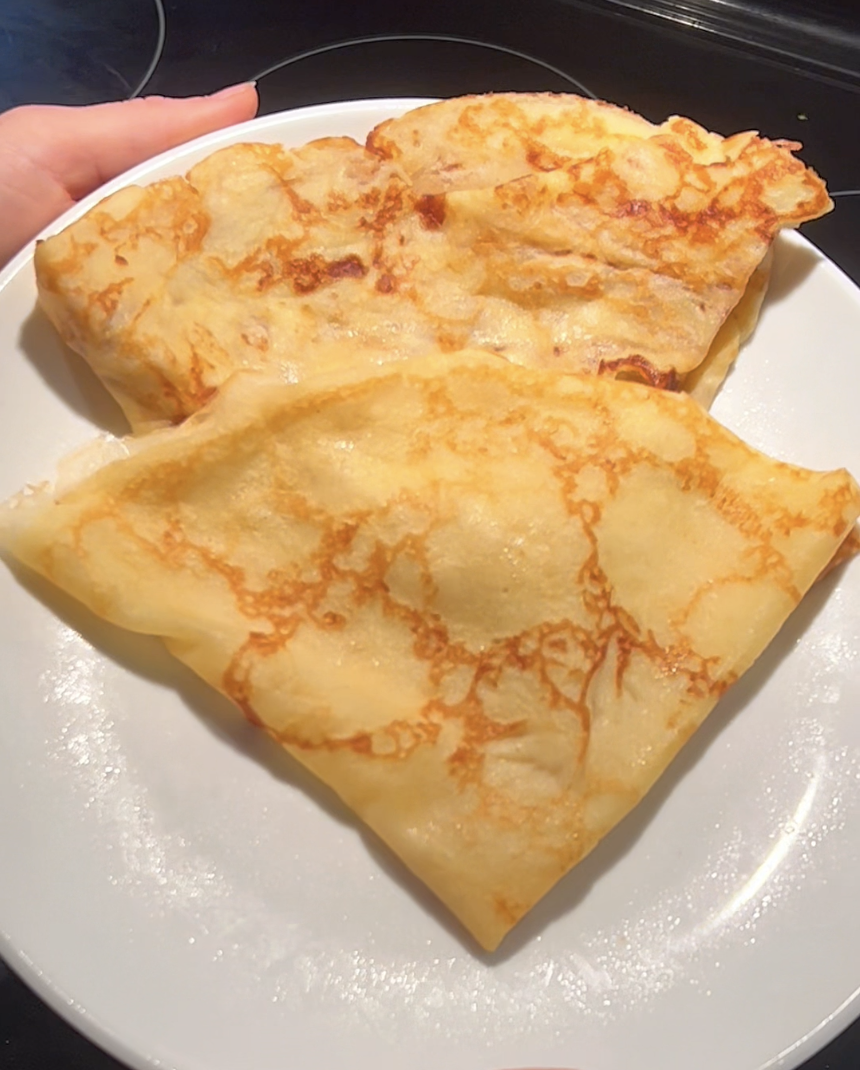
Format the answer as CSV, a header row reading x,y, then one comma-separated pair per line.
x,y
237,90
168,121
242,99
238,101
97,142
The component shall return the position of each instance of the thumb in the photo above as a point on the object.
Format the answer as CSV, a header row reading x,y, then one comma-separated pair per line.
x,y
81,148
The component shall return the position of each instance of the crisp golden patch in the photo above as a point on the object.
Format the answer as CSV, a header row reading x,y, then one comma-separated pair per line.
x,y
553,231
486,604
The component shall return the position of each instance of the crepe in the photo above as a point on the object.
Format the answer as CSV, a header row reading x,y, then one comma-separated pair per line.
x,y
613,247
484,141
704,382
479,142
487,605
259,258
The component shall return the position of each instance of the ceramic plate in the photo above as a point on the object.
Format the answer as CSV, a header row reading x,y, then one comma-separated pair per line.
x,y
189,899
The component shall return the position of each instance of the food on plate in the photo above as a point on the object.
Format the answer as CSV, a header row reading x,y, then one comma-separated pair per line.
x,y
554,231
258,258
703,382
486,604
411,518
482,142
479,142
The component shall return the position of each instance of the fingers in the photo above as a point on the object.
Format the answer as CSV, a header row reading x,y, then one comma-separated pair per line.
x,y
81,148
29,200
51,156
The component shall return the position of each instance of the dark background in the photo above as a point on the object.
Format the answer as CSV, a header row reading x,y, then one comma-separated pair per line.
x,y
788,69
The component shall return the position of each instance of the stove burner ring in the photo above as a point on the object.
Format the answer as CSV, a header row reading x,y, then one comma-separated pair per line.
x,y
440,37
156,55
78,53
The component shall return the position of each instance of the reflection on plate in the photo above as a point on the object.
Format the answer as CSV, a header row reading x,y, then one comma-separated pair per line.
x,y
183,893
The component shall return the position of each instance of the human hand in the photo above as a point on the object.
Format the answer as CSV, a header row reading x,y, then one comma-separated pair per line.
x,y
52,156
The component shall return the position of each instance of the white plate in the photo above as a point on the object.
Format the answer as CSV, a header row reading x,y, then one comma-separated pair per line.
x,y
190,900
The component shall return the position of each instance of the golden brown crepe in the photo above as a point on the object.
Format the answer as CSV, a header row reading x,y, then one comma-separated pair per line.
x,y
703,383
584,239
479,142
486,604
258,255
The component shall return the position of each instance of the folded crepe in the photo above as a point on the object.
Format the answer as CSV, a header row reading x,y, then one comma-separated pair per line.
x,y
482,142
479,142
580,238
485,604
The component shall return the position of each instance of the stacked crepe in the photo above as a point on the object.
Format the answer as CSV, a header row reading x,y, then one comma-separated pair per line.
x,y
558,233
391,490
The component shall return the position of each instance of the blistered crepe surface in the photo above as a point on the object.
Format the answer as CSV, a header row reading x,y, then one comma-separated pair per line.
x,y
476,142
621,254
486,605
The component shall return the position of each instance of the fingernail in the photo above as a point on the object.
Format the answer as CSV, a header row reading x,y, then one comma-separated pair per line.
x,y
232,90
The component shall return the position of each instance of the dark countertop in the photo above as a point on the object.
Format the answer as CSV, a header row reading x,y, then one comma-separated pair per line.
x,y
788,69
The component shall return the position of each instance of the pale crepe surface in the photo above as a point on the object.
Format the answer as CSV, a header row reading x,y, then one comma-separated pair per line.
x,y
575,236
486,604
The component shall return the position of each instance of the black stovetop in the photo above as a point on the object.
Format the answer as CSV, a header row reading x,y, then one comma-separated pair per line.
x,y
785,68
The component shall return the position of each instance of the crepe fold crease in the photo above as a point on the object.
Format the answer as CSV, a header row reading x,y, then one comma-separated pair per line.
x,y
485,604
554,231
